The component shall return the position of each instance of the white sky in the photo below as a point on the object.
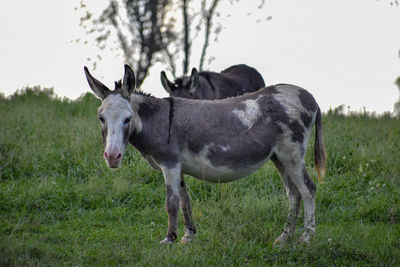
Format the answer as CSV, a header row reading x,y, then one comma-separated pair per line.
x,y
343,51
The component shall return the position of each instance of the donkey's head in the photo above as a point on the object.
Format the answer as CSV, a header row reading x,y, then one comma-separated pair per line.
x,y
185,87
117,117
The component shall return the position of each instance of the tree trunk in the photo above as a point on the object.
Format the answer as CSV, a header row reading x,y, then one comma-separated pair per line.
x,y
186,41
207,30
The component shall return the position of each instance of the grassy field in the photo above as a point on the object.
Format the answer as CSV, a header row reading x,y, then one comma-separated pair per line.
x,y
61,205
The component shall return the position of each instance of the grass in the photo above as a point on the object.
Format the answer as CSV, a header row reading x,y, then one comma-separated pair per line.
x,y
61,205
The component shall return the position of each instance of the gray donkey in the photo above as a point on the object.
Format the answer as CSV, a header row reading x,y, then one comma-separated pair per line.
x,y
233,81
216,141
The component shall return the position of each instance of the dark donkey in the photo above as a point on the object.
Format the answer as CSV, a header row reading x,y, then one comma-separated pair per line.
x,y
233,81
215,141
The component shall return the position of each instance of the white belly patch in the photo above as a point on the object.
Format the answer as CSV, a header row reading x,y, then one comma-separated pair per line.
x,y
200,167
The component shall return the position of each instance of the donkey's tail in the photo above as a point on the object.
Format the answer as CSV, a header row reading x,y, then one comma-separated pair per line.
x,y
319,148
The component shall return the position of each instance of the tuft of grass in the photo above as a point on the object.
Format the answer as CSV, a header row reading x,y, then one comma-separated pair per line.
x,y
61,205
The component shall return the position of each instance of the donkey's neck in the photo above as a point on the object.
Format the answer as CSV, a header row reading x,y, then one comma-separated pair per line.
x,y
146,106
155,115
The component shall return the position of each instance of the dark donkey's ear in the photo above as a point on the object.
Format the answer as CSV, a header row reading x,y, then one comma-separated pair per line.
x,y
168,86
99,89
129,82
194,81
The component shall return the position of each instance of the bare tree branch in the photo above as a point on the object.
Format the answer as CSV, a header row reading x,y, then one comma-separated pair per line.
x,y
186,41
208,14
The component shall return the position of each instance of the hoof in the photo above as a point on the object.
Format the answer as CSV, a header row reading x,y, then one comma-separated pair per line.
x,y
281,239
187,239
306,237
166,241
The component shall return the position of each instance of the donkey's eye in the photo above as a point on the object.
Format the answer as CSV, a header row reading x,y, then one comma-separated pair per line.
x,y
101,119
126,121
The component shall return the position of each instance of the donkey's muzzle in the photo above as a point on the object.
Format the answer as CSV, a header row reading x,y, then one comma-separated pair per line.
x,y
113,158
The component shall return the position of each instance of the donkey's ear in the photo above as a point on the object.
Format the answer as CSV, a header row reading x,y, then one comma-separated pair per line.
x,y
168,86
194,81
129,82
99,89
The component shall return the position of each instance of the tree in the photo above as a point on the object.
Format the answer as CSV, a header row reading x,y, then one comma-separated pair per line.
x,y
193,23
141,28
150,31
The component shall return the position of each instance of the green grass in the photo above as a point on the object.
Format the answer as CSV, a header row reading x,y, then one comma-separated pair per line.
x,y
61,205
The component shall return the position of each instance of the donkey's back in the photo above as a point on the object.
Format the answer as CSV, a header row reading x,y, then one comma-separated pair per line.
x,y
247,78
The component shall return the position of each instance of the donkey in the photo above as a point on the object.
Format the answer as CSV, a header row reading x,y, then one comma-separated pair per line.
x,y
233,81
216,141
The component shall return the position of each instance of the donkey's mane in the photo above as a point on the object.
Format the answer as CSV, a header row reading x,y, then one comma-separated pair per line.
x,y
118,85
179,81
140,92
118,90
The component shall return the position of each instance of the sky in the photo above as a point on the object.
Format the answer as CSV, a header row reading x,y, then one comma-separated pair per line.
x,y
342,51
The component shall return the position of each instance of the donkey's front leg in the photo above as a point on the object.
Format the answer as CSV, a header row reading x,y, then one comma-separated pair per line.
x,y
172,179
190,229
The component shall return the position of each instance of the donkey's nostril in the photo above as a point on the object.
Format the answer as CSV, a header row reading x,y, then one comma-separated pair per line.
x,y
106,155
118,156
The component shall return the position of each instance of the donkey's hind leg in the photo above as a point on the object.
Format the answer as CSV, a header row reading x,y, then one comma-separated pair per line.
x,y
294,202
306,187
186,208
